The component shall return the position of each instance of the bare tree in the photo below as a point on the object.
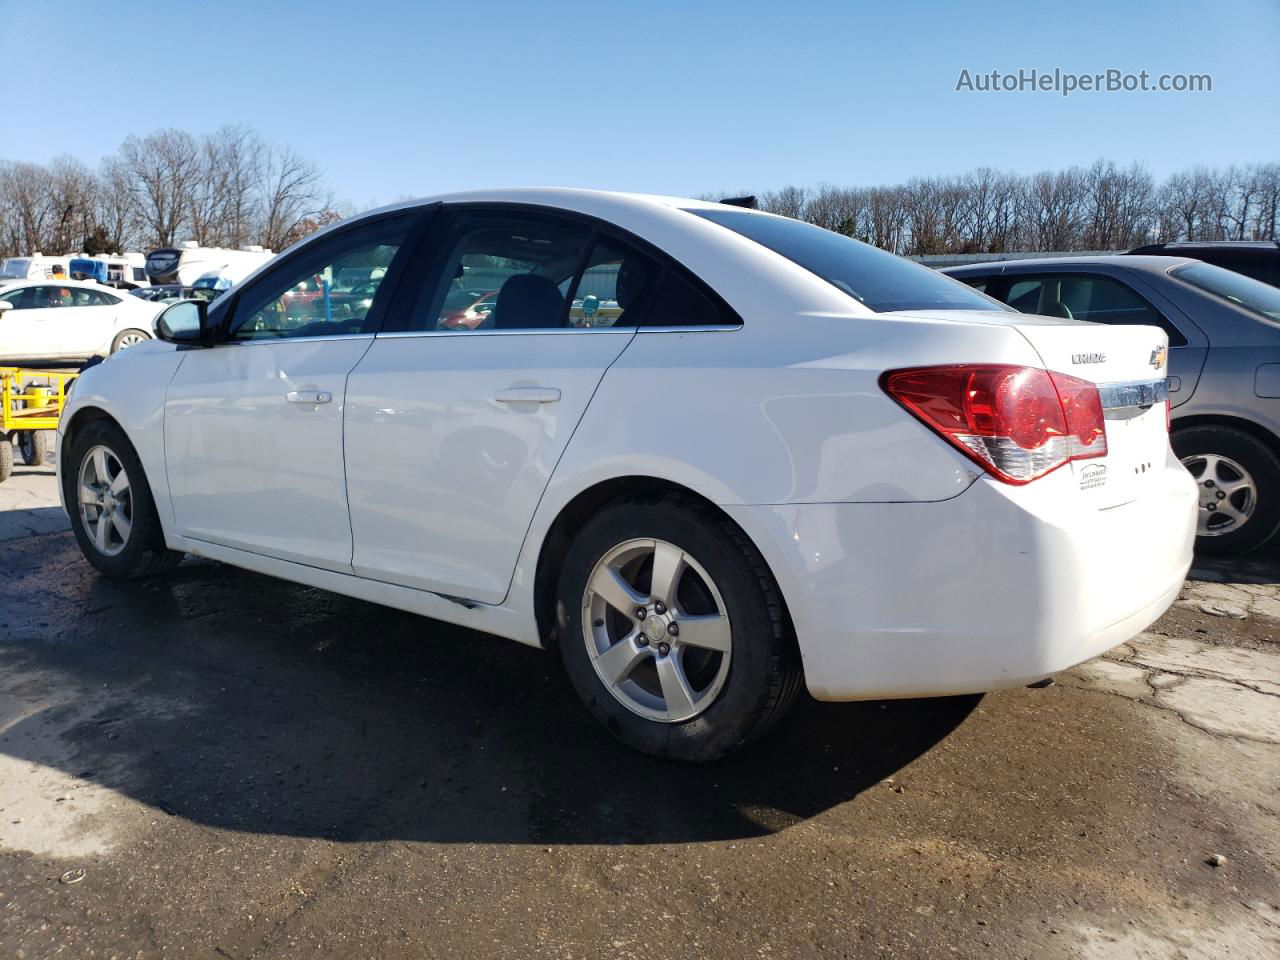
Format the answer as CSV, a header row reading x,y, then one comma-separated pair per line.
x,y
787,202
116,211
165,169
28,207
291,191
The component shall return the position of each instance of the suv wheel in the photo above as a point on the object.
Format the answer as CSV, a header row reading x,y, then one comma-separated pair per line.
x,y
1239,479
672,631
112,513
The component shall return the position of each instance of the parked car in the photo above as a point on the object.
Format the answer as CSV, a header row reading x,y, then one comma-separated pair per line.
x,y
467,308
1259,259
35,267
1224,367
43,320
790,459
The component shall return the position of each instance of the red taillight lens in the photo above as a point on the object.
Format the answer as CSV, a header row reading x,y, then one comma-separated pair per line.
x,y
1017,423
1082,408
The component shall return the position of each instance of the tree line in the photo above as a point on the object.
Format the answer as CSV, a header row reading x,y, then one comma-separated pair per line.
x,y
1100,207
233,188
229,188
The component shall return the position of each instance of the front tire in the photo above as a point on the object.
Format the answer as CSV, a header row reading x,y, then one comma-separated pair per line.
x,y
672,630
128,338
1239,479
112,512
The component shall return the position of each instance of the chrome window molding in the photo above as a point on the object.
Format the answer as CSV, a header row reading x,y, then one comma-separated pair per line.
x,y
320,339
553,331
698,328
557,331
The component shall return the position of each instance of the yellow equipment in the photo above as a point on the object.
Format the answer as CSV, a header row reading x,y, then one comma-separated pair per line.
x,y
30,404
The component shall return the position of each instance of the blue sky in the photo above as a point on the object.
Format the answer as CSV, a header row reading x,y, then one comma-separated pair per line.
x,y
398,99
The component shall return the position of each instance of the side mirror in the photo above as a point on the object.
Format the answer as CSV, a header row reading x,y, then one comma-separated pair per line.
x,y
185,322
4,306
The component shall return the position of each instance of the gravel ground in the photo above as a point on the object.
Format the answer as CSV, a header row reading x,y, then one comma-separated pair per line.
x,y
216,764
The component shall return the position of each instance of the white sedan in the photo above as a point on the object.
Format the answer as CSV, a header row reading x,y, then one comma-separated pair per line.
x,y
786,459
42,320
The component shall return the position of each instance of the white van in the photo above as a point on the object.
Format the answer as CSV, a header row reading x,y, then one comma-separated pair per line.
x,y
187,263
35,267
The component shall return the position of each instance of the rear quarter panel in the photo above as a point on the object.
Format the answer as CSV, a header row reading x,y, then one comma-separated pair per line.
x,y
785,410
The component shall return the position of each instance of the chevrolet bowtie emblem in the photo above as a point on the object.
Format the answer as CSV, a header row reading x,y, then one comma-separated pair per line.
x,y
1158,357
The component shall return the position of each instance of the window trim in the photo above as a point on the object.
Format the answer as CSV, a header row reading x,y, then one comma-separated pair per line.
x,y
419,220
1002,283
431,249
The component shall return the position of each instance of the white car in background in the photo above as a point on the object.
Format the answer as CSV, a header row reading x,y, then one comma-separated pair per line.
x,y
787,458
48,320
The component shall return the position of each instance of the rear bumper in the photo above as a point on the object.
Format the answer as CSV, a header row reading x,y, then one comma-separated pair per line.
x,y
997,587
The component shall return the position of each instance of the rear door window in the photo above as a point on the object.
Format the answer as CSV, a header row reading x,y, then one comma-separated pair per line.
x,y
498,270
1095,299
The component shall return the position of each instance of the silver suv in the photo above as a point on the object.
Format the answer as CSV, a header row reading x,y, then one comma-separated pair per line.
x,y
1224,367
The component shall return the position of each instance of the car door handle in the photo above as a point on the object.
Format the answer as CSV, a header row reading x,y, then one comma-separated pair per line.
x,y
308,396
527,395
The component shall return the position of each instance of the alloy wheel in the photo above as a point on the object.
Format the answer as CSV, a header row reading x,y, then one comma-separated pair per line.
x,y
1228,493
129,340
656,630
105,500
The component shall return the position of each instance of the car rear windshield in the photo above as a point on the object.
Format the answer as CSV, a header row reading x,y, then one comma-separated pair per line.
x,y
1236,287
875,278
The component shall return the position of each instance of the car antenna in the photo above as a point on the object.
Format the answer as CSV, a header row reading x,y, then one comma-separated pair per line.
x,y
748,202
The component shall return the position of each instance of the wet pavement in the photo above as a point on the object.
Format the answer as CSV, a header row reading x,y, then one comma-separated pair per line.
x,y
216,764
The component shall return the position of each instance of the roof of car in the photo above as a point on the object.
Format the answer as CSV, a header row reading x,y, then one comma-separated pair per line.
x,y
1152,264
569,198
1268,246
57,281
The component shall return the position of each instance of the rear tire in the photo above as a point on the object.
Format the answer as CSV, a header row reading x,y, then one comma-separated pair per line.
x,y
1239,480
112,512
735,682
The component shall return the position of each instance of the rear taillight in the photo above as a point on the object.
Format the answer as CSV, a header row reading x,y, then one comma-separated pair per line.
x,y
1017,423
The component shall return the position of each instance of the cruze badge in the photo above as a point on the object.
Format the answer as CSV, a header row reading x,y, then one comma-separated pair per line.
x,y
1088,358
1157,357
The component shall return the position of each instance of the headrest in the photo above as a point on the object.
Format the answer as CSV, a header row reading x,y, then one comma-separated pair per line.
x,y
528,302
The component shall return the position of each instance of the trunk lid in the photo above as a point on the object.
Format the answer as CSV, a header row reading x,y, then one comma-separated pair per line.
x,y
1129,365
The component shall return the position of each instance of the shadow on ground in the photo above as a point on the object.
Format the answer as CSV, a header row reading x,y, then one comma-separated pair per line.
x,y
248,703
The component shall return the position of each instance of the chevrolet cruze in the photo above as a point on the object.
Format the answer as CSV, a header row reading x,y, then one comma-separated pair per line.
x,y
786,458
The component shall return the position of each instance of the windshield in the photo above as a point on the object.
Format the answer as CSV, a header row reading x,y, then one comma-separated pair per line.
x,y
875,278
15,268
1236,287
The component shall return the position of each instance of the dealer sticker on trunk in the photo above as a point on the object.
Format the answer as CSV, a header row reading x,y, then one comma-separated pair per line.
x,y
1092,476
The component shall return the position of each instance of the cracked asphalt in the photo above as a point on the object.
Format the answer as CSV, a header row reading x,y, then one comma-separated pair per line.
x,y
216,764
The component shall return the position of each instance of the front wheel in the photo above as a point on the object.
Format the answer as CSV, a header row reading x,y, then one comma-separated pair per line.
x,y
1239,480
128,338
112,513
672,630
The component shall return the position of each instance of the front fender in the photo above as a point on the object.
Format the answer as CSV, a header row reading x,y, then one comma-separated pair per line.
x,y
129,387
